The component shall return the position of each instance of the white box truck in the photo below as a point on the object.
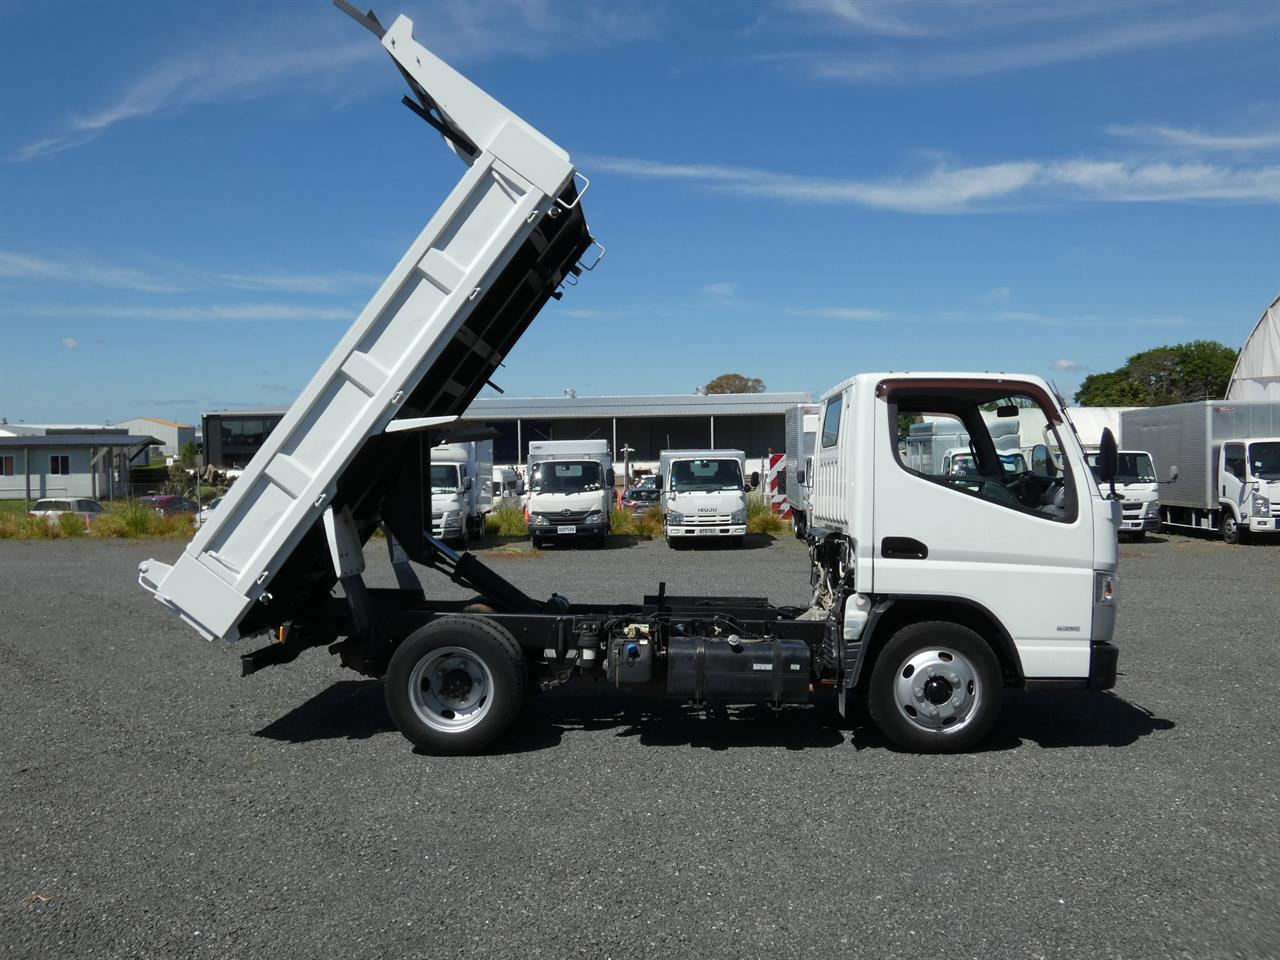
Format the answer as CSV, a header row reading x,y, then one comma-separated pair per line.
x,y
703,495
507,486
801,436
570,490
1139,491
1227,455
461,490
934,594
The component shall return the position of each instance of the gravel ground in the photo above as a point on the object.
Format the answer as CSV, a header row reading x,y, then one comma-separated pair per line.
x,y
157,805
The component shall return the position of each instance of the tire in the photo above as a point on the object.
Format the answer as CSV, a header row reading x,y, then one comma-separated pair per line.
x,y
801,526
1139,535
456,685
965,667
737,542
1231,532
537,543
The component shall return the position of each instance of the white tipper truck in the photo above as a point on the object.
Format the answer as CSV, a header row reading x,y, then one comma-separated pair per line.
x,y
933,595
1226,454
703,495
461,489
570,490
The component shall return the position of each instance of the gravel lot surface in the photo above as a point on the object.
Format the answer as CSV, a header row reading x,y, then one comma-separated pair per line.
x,y
157,805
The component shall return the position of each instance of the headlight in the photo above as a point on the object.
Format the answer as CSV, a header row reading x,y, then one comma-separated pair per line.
x,y
738,516
593,517
538,520
1261,506
1105,586
453,518
1152,509
675,516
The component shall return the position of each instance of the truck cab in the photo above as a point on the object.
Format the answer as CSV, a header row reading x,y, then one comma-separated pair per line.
x,y
570,490
1249,484
704,495
460,497
1002,578
1139,489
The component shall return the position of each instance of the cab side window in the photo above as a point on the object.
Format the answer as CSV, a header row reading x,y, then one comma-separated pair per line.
x,y
831,421
1235,461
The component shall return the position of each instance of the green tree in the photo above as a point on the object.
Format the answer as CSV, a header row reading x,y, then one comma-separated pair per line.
x,y
1198,370
188,455
735,383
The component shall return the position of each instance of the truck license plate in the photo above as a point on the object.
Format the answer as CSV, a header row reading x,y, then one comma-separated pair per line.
x,y
707,533
569,529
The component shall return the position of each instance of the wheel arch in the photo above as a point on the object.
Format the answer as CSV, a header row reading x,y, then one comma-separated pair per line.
x,y
892,613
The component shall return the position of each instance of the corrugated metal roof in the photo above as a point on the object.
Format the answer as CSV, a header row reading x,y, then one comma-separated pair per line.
x,y
672,405
78,440
551,408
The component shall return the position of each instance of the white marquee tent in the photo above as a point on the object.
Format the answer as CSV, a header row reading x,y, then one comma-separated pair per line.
x,y
1257,372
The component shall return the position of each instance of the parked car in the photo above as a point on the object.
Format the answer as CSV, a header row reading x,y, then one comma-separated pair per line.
x,y
640,499
167,505
203,517
647,482
52,509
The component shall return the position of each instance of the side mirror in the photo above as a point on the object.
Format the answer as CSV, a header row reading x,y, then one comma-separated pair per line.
x,y
466,485
1173,474
609,476
659,481
755,478
800,477
1108,458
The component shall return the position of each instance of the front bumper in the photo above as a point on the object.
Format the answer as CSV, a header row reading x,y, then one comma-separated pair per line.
x,y
1103,658
1264,525
568,531
454,534
1140,525
707,530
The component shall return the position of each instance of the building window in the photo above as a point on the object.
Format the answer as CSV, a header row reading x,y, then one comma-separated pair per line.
x,y
60,465
6,465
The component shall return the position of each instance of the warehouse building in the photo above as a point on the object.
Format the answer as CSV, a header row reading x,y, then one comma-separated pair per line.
x,y
751,422
170,435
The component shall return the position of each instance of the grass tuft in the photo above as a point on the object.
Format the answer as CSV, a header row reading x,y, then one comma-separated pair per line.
x,y
762,519
646,526
506,521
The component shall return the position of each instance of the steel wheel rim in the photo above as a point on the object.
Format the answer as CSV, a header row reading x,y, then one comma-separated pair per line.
x,y
451,689
924,676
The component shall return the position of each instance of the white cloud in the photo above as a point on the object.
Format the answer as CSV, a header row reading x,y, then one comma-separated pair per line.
x,y
238,312
722,289
996,295
177,278
1068,365
950,41
70,342
1196,139
318,56
964,189
840,313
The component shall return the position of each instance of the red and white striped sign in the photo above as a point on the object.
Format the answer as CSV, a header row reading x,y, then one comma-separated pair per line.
x,y
775,487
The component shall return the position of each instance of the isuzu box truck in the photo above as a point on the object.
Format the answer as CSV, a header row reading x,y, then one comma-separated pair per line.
x,y
461,490
1227,454
801,432
703,495
933,594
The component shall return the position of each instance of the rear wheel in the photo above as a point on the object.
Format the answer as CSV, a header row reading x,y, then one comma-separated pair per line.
x,y
936,688
456,685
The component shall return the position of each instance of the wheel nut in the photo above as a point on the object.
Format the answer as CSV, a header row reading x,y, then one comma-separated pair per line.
x,y
955,678
930,671
933,711
919,692
955,702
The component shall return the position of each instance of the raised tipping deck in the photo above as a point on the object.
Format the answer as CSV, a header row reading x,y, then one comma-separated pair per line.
x,y
500,245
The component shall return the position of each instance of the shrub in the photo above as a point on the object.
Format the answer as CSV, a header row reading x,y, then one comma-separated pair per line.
x,y
125,518
506,521
72,525
762,519
645,525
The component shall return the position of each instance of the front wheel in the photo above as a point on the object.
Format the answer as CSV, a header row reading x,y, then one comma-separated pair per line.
x,y
1231,532
456,685
936,688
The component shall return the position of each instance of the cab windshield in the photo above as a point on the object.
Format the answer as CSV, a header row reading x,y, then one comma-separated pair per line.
x,y
566,476
689,475
1134,468
1264,460
444,478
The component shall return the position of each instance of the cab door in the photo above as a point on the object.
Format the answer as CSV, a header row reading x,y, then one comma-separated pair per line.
x,y
1232,470
989,541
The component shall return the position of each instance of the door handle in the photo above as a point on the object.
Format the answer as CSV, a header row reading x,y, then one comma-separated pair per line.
x,y
903,548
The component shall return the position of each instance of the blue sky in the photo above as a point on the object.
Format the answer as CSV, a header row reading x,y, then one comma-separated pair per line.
x,y
196,199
